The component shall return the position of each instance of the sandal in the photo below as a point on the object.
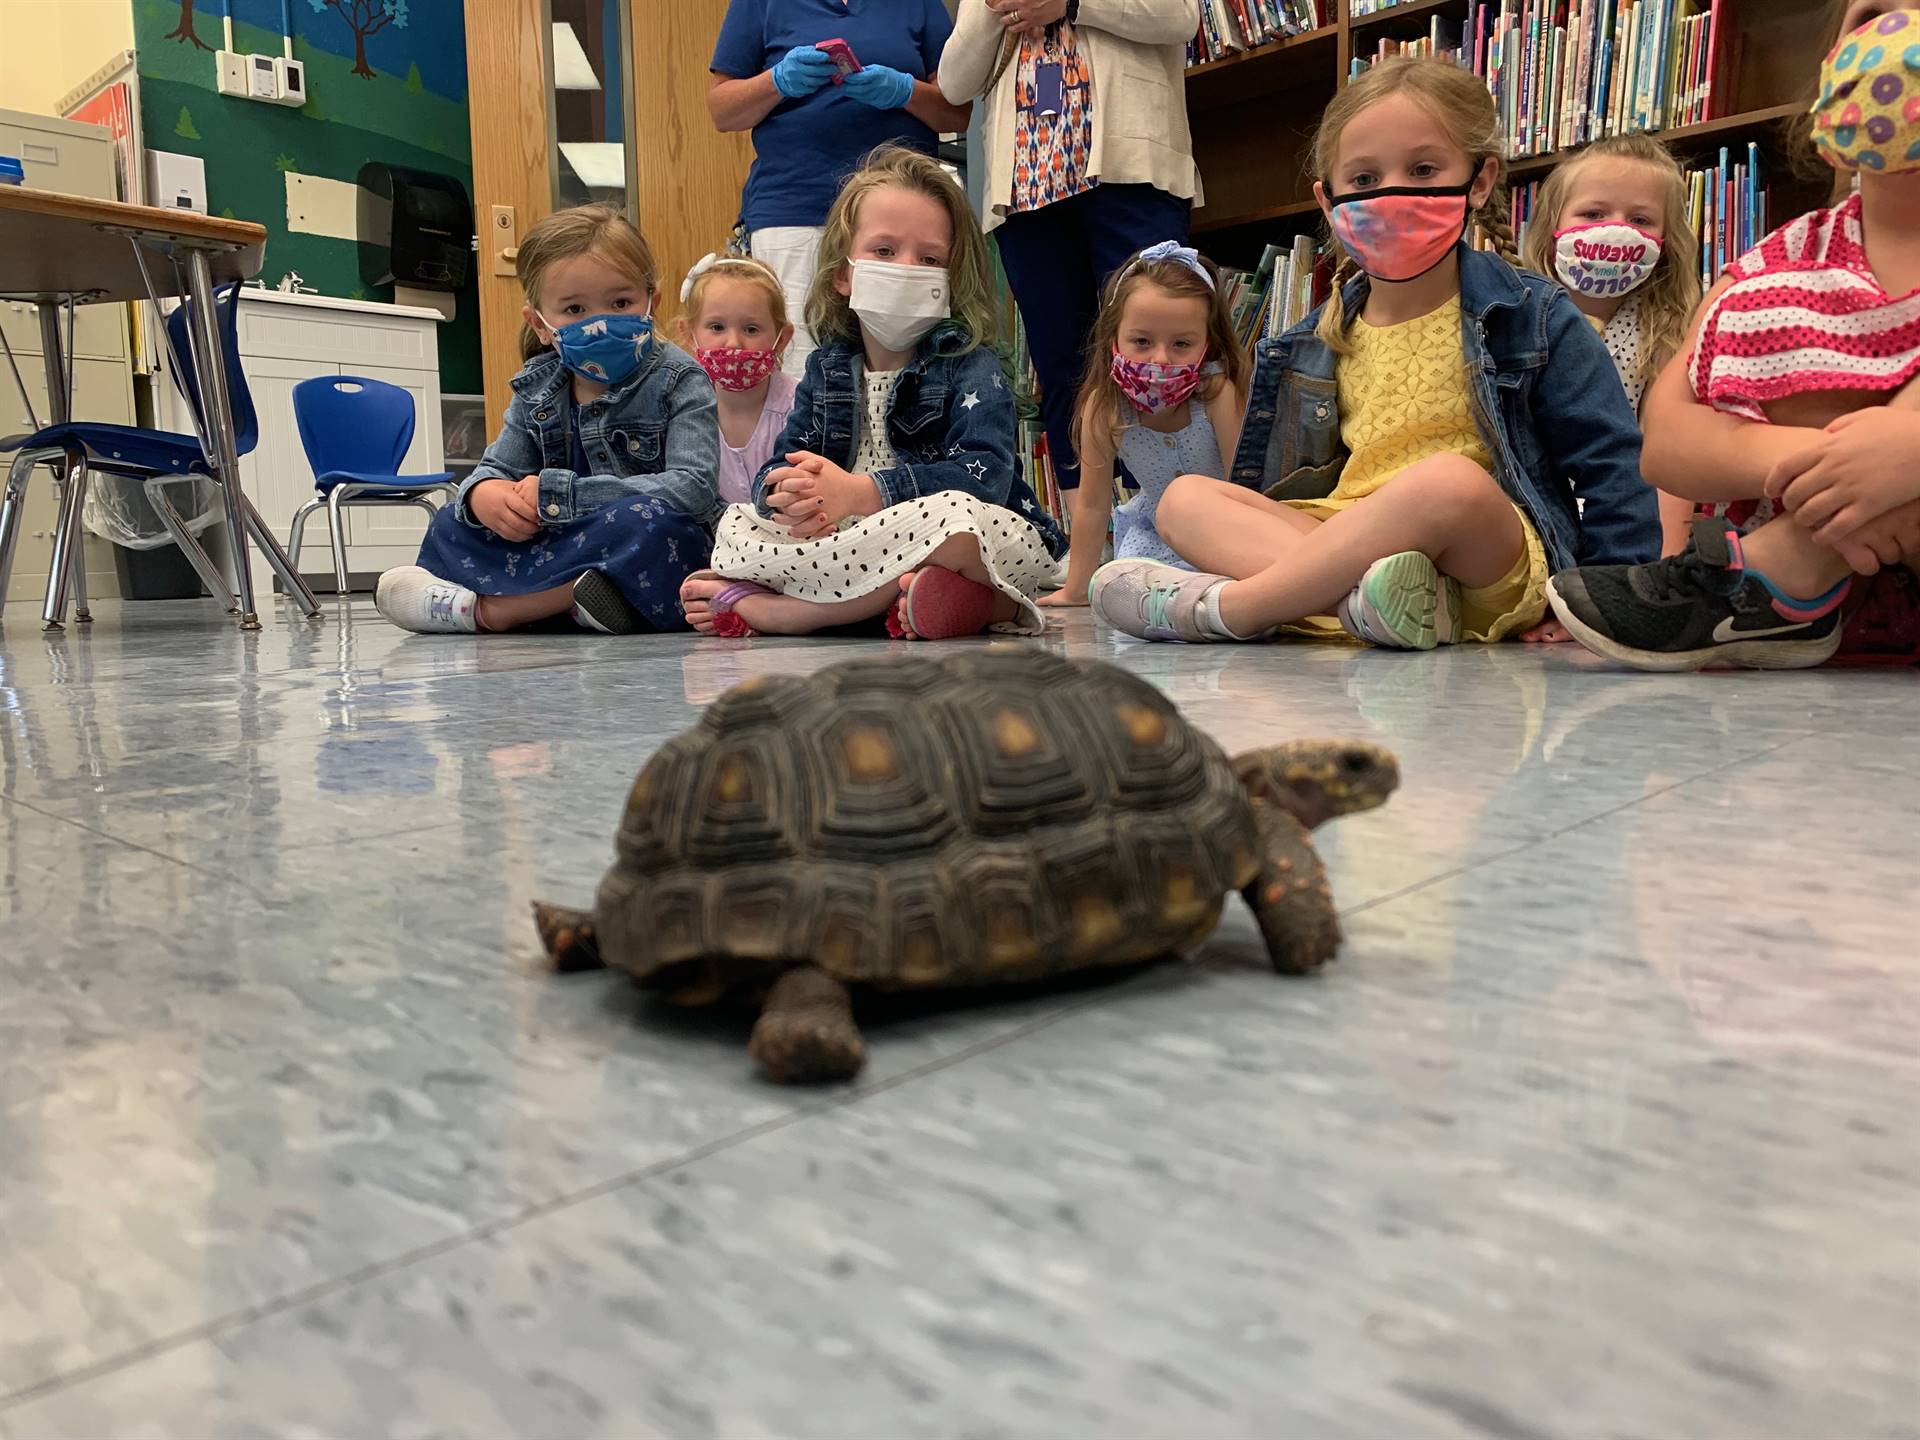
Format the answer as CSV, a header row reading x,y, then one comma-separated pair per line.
x,y
941,605
726,623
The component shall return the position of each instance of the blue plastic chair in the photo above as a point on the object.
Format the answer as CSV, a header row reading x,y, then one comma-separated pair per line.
x,y
157,458
356,432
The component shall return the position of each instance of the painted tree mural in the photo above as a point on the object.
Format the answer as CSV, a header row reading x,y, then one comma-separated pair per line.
x,y
364,18
184,30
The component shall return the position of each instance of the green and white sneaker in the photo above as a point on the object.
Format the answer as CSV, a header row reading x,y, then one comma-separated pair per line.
x,y
1403,603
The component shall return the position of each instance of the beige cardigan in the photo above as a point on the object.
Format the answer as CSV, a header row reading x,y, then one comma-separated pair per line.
x,y
1137,51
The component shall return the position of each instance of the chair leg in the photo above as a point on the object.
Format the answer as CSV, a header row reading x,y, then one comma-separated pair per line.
x,y
77,585
13,507
298,531
297,589
202,562
66,539
339,541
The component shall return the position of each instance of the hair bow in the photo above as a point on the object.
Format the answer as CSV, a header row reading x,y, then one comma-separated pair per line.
x,y
1173,250
700,267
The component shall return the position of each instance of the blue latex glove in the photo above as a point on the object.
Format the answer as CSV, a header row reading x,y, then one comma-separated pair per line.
x,y
801,71
880,86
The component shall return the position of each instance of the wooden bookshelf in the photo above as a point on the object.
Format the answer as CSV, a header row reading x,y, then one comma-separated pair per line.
x,y
1253,113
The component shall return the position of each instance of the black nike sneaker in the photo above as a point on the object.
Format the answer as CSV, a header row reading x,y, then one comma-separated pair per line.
x,y
1698,608
598,605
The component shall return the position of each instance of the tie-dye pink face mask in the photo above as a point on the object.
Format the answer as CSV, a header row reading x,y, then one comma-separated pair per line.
x,y
1399,233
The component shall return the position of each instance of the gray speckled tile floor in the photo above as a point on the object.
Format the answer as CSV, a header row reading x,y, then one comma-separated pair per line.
x,y
1602,1127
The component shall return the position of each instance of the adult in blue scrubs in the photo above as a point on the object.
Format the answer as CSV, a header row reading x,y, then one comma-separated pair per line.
x,y
809,134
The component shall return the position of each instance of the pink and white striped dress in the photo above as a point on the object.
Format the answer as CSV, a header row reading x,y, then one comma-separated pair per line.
x,y
1805,313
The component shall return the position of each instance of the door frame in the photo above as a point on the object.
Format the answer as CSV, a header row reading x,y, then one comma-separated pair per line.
x,y
687,178
510,116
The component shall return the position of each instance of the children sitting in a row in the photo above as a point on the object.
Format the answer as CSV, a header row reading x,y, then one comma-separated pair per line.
x,y
1417,460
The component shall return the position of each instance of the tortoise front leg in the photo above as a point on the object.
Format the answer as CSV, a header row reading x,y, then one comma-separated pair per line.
x,y
1290,897
806,1030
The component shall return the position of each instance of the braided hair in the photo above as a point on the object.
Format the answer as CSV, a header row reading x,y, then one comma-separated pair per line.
x,y
1459,100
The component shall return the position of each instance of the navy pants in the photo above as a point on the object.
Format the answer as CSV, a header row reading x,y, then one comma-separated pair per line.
x,y
1057,258
644,547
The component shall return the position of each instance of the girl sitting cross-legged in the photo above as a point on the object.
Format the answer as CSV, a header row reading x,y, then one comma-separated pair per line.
x,y
1415,452
893,491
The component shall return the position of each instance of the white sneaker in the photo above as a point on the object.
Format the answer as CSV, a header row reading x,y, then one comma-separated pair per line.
x,y
418,600
1403,603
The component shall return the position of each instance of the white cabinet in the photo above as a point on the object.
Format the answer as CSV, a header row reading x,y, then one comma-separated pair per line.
x,y
285,339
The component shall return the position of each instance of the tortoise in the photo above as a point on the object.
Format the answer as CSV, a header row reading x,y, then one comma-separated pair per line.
x,y
1002,815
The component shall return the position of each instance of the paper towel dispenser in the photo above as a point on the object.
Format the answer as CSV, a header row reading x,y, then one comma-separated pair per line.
x,y
416,228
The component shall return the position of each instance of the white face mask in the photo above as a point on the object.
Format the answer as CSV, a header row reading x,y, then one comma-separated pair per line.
x,y
1605,260
898,304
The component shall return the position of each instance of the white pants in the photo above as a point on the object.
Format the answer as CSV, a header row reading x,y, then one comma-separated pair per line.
x,y
791,251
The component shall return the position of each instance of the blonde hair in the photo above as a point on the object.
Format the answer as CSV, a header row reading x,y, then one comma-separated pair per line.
x,y
828,312
1101,405
745,271
1458,99
597,230
1669,295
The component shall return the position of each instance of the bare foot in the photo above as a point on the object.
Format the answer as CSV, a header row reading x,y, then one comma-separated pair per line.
x,y
1547,632
1000,610
696,596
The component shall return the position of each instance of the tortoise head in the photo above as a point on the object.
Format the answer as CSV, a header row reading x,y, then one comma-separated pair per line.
x,y
1317,780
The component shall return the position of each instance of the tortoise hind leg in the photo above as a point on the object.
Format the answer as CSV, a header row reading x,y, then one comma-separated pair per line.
x,y
568,935
1290,897
806,1030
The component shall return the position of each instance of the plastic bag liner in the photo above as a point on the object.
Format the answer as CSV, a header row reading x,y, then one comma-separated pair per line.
x,y
117,509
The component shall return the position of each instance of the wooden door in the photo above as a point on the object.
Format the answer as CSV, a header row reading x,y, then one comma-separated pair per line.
x,y
507,68
688,175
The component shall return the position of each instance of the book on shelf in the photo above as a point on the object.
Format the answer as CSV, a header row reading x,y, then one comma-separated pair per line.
x,y
1728,209
1566,72
1279,292
1232,27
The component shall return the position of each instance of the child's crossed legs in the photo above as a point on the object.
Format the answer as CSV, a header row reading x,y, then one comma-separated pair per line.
x,y
1284,565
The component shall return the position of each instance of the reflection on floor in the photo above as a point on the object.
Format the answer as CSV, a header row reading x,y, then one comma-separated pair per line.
x,y
1602,1127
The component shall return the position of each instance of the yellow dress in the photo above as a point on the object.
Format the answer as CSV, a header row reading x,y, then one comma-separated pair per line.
x,y
1404,397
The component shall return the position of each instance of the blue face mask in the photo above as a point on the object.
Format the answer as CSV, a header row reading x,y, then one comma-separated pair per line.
x,y
607,348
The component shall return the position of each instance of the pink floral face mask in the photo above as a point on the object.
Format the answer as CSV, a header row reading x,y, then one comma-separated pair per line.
x,y
732,368
1151,386
1401,232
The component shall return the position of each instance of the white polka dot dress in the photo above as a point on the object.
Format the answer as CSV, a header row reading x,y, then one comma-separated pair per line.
x,y
1623,338
874,552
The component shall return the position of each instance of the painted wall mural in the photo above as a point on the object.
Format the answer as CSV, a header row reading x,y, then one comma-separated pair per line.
x,y
386,80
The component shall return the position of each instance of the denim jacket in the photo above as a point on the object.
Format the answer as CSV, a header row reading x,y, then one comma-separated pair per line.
x,y
950,419
1546,397
656,434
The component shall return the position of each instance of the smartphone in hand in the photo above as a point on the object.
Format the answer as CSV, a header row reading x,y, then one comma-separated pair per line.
x,y
844,61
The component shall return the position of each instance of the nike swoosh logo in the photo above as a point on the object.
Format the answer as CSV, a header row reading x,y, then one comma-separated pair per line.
x,y
1725,632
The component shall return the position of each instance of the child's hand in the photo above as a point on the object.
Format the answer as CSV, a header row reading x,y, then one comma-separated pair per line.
x,y
1547,632
1862,469
813,495
1065,598
1893,539
509,508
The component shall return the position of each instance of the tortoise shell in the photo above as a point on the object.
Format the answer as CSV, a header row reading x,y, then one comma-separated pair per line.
x,y
994,816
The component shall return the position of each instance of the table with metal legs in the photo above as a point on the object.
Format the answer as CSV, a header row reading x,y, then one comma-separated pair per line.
x,y
63,250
